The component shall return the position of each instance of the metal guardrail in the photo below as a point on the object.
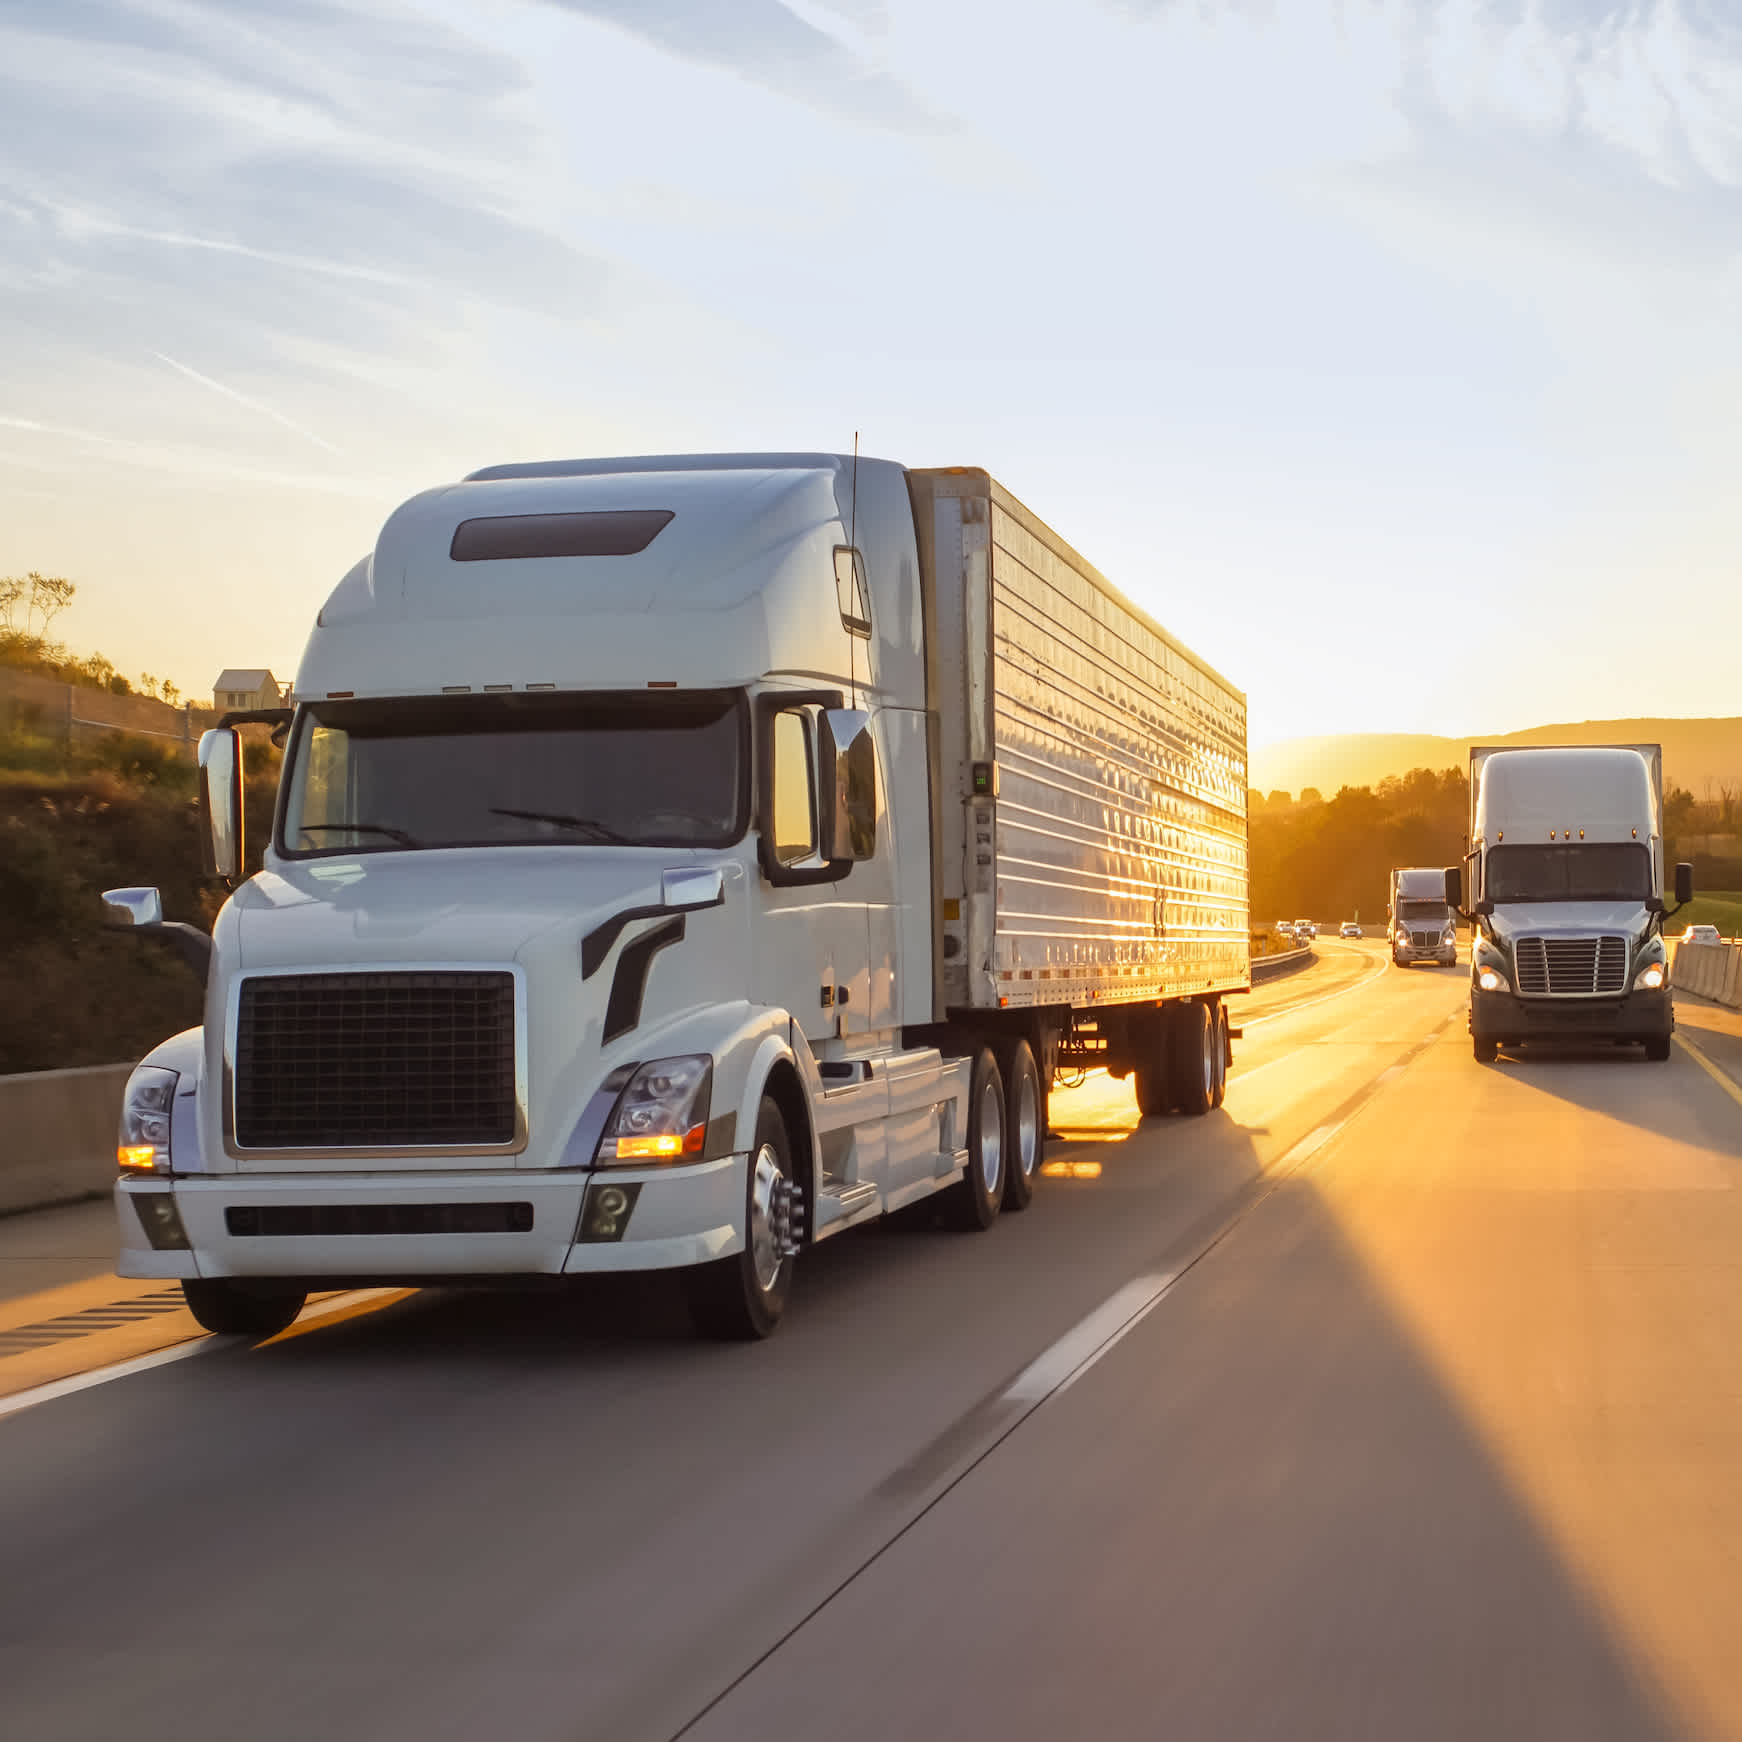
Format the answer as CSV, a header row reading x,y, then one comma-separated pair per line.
x,y
1274,967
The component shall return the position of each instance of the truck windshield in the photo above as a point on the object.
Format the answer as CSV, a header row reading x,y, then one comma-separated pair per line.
x,y
1577,871
1421,910
516,770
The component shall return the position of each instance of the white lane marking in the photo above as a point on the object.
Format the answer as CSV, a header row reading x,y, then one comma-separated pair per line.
x,y
1308,1004
1311,1144
1082,1346
102,1375
1386,1076
162,1357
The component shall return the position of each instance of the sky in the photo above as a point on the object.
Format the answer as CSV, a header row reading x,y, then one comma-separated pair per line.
x,y
1390,354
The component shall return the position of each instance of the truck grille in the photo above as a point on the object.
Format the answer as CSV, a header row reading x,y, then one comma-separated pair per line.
x,y
1571,967
1426,940
375,1060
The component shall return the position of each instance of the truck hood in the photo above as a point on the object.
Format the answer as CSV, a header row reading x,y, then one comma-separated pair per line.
x,y
1517,919
470,905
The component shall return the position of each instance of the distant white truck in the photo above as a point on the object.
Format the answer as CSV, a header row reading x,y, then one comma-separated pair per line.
x,y
1423,925
1564,880
677,861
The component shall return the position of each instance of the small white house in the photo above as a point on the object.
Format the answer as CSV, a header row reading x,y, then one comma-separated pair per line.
x,y
237,689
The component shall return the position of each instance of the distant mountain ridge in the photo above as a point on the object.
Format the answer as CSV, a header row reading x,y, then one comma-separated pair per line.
x,y
1695,753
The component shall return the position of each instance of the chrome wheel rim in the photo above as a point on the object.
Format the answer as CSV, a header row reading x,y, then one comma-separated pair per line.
x,y
1210,1059
1027,1133
991,1137
765,1179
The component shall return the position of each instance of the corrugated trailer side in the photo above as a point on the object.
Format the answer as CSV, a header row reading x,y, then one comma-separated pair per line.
x,y
1110,864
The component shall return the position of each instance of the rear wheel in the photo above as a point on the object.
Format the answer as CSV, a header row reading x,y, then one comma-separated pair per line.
x,y
1486,1050
1154,1073
233,1309
1219,1016
1194,1038
742,1298
974,1200
1024,1122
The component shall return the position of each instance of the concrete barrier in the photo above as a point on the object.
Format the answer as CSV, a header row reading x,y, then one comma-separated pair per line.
x,y
57,1135
1709,971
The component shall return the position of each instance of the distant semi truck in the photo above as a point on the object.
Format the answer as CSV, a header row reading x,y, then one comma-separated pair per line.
x,y
1422,923
677,861
1564,880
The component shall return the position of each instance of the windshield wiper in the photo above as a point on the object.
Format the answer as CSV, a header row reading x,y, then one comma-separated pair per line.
x,y
398,835
595,830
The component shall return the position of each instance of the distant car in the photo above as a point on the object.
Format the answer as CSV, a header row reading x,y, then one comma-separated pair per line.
x,y
1700,934
1305,929
1349,929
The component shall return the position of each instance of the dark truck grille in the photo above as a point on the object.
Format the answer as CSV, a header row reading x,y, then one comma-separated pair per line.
x,y
375,1060
289,1221
1426,940
1571,967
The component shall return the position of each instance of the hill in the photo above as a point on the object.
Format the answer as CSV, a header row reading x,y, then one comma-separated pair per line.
x,y
1704,756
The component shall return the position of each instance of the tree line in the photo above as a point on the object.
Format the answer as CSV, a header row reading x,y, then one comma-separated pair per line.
x,y
29,604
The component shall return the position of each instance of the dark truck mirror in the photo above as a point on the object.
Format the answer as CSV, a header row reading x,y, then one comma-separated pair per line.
x,y
1684,883
1455,888
221,801
848,764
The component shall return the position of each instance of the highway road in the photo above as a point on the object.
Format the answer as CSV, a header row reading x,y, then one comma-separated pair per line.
x,y
1399,1399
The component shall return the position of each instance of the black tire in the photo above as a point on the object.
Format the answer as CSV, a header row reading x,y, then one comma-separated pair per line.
x,y
1657,1049
1219,1015
973,1202
1153,1075
1024,1122
232,1309
1486,1050
1193,1050
741,1298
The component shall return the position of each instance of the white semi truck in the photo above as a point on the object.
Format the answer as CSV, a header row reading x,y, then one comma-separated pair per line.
x,y
678,861
1423,924
1563,878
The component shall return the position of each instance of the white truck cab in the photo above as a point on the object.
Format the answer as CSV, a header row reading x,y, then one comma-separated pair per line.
x,y
639,895
1564,881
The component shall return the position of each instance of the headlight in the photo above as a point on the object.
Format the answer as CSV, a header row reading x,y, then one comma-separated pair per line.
x,y
1649,978
1451,936
1402,936
143,1143
1492,980
662,1115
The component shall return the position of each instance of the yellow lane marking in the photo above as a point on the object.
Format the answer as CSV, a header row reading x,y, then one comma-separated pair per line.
x,y
1721,1077
335,1311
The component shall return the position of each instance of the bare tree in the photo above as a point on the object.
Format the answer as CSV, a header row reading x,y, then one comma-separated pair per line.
x,y
49,596
14,589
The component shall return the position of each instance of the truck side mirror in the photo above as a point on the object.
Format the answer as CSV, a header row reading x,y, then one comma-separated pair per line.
x,y
221,801
125,909
1684,883
847,759
1455,888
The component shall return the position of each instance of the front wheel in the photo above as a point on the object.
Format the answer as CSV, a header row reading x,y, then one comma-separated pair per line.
x,y
974,1200
1657,1048
741,1298
231,1309
1486,1050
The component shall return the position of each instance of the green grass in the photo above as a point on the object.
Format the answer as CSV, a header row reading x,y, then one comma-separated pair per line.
x,y
1722,908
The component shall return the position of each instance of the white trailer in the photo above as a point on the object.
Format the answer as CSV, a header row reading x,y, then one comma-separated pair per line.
x,y
679,860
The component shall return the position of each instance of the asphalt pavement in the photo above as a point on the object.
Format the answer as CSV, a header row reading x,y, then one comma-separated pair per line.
x,y
1397,1399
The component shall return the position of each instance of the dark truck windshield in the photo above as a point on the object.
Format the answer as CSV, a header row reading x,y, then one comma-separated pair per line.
x,y
1421,910
515,770
1575,871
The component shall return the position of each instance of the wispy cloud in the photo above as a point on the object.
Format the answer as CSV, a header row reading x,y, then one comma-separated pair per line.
x,y
771,45
244,400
